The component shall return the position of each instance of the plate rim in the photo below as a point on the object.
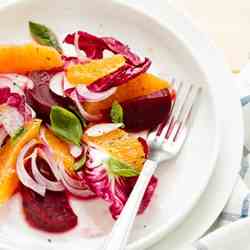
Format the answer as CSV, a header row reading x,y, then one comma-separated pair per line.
x,y
154,236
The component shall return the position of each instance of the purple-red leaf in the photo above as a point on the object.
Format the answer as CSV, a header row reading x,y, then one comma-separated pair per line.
x,y
115,190
120,76
14,100
94,46
118,47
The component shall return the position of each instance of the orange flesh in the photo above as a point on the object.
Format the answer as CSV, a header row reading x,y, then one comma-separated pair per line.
x,y
94,70
27,58
121,146
8,156
60,150
142,85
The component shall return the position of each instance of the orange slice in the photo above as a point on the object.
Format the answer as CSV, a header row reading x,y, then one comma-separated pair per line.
x,y
60,150
94,70
8,156
142,85
27,58
121,146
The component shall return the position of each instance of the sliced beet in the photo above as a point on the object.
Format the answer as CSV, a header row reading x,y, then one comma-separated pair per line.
x,y
145,112
40,98
51,213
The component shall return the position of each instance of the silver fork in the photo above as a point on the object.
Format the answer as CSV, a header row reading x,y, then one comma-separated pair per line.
x,y
165,143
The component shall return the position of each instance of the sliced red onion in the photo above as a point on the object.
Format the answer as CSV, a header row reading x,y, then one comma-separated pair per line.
x,y
73,182
67,85
30,111
83,193
3,135
46,155
56,84
83,112
22,173
102,128
50,185
75,150
43,137
79,53
11,119
91,96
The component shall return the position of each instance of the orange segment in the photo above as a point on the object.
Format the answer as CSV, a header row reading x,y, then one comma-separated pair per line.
x,y
28,57
94,70
121,146
142,85
60,150
8,156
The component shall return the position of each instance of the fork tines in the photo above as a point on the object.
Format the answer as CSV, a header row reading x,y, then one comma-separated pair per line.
x,y
169,131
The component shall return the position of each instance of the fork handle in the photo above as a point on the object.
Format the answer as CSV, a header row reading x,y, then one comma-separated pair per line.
x,y
118,237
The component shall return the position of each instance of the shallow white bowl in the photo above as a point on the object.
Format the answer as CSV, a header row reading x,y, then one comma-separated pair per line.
x,y
181,182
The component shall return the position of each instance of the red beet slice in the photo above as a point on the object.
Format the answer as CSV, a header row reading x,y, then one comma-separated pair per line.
x,y
51,213
40,98
145,112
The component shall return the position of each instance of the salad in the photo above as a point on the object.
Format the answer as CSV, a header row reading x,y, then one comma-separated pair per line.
x,y
69,123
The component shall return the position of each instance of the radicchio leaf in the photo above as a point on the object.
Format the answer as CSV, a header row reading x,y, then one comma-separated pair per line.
x,y
120,76
94,46
115,190
11,99
118,47
14,110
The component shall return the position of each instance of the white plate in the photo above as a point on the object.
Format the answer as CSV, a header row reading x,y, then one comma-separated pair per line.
x,y
223,179
182,181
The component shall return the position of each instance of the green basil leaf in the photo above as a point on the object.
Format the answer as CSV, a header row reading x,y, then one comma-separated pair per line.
x,y
119,168
79,164
66,125
18,134
116,113
44,36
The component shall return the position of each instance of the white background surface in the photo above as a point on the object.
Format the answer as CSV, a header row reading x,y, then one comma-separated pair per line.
x,y
228,24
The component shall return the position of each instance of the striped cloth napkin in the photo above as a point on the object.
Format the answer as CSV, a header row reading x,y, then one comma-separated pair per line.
x,y
235,236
